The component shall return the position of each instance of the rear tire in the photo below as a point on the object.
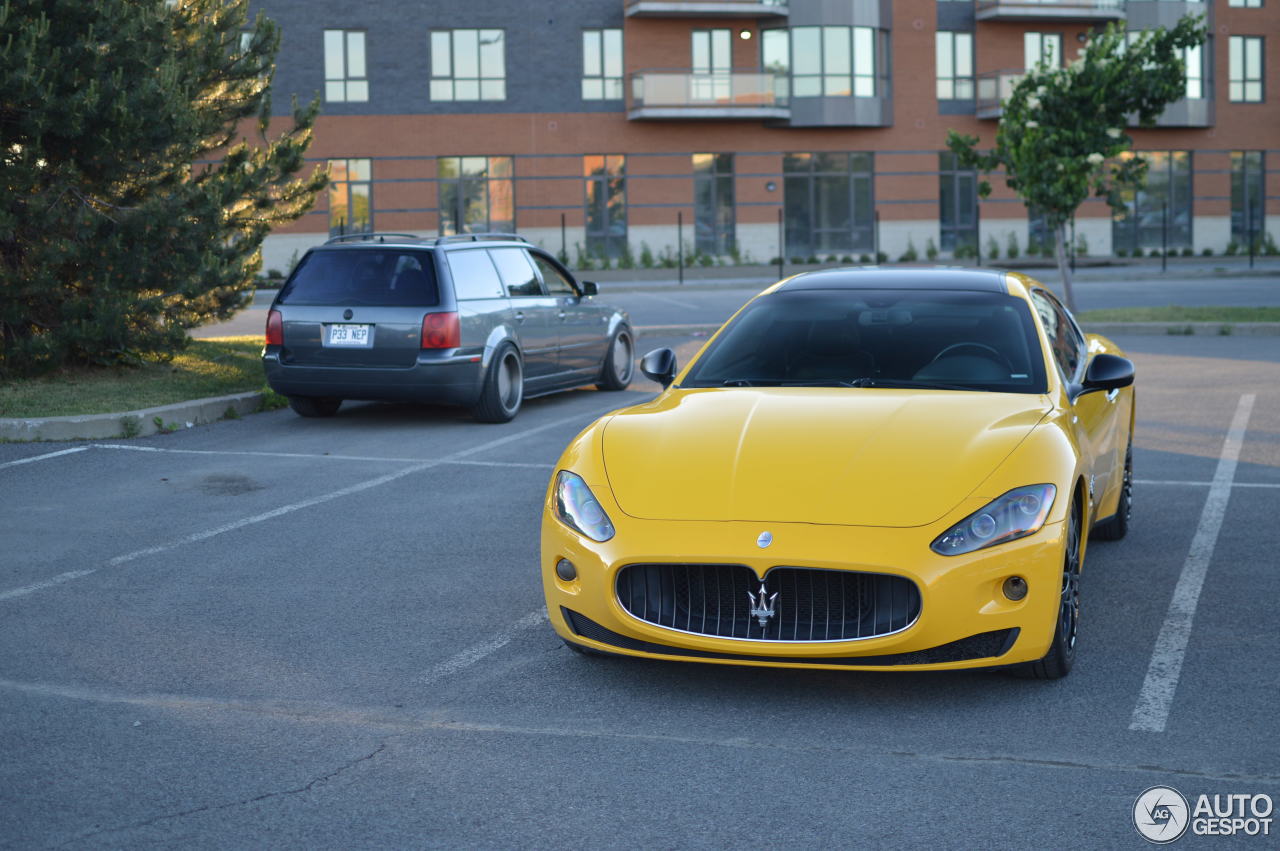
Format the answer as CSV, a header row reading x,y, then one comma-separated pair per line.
x,y
619,362
310,406
1116,526
503,387
1057,663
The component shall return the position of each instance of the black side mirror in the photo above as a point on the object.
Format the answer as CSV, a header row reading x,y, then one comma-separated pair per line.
x,y
1107,372
589,287
660,366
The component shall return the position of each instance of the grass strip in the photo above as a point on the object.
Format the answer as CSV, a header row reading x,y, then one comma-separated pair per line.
x,y
215,367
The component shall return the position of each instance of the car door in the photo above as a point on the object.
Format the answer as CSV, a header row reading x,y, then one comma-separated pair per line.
x,y
536,314
1094,415
583,323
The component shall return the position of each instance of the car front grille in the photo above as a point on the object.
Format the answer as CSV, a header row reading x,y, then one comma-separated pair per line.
x,y
811,604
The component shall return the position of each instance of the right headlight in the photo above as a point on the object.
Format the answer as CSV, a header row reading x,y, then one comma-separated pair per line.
x,y
1020,512
577,508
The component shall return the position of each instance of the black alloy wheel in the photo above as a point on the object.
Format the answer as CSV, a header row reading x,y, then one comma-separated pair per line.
x,y
1062,651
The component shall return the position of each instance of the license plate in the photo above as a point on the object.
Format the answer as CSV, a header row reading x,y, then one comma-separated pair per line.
x,y
349,335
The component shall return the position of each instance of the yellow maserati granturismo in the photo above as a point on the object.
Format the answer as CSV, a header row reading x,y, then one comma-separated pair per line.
x,y
862,469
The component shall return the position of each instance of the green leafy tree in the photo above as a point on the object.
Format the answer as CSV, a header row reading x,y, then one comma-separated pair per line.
x,y
132,204
1061,136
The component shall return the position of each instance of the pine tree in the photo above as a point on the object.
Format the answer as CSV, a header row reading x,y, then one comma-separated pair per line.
x,y
133,203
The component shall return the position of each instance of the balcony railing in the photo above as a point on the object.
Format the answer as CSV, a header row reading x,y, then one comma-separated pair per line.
x,y
1050,10
992,90
681,94
706,8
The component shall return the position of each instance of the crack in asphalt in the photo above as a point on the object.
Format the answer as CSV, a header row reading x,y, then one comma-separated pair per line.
x,y
215,807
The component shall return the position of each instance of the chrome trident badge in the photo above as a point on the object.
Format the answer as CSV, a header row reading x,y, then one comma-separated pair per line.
x,y
763,605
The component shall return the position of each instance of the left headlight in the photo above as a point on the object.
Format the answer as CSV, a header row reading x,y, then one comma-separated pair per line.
x,y
1020,512
577,508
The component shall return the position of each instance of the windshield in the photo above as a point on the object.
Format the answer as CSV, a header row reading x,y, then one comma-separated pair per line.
x,y
373,277
878,338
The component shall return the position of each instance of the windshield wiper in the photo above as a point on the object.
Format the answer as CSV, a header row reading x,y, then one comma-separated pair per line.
x,y
821,382
907,383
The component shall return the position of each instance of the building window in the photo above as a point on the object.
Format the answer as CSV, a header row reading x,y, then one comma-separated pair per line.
x,y
345,79
828,201
1042,47
830,61
1245,4
712,63
958,204
1248,182
601,64
775,58
713,204
1245,69
350,197
606,204
476,194
1164,201
468,65
954,52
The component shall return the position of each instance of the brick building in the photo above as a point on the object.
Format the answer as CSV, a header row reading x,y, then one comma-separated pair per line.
x,y
604,126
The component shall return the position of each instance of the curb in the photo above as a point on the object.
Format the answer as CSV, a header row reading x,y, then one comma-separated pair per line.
x,y
130,423
1186,329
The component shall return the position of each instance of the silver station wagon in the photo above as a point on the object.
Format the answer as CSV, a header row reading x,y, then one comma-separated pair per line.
x,y
479,320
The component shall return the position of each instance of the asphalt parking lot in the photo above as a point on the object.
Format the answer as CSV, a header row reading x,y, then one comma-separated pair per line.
x,y
307,633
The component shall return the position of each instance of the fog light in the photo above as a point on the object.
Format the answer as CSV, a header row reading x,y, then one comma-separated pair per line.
x,y
1015,588
566,571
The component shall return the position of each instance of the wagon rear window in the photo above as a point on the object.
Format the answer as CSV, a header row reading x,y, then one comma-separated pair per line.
x,y
373,277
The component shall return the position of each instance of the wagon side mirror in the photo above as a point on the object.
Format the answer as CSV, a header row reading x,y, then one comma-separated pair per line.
x,y
589,288
660,366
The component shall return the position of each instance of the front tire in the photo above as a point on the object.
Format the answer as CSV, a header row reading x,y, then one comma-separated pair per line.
x,y
503,390
619,362
309,406
1057,663
1116,526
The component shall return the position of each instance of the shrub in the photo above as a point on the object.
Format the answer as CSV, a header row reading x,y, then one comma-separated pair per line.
x,y
1120,252
646,256
1232,248
931,250
1082,245
881,257
1187,252
627,260
910,255
864,259
1208,252
1011,247
993,248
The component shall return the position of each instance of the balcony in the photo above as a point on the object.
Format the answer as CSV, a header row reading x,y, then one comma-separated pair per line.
x,y
665,95
706,8
1050,10
993,88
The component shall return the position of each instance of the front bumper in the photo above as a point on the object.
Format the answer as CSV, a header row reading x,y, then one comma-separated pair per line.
x,y
965,620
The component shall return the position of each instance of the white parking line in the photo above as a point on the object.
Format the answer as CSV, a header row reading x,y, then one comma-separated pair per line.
x,y
1204,484
471,655
316,456
35,458
1156,697
519,434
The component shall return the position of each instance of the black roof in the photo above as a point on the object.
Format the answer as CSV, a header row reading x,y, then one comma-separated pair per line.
x,y
876,278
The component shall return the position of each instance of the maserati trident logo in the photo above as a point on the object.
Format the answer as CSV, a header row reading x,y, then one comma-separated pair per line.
x,y
765,539
763,605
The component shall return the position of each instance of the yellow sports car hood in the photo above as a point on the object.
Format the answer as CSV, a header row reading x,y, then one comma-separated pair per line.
x,y
845,456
